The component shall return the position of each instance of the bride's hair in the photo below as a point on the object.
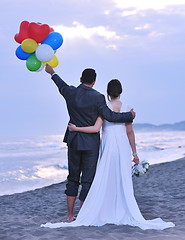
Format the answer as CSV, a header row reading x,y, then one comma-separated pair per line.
x,y
114,88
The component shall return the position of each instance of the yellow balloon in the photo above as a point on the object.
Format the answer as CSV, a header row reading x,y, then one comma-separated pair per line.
x,y
54,62
29,45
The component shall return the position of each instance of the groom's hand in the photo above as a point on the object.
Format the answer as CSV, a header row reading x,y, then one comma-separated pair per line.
x,y
133,113
49,69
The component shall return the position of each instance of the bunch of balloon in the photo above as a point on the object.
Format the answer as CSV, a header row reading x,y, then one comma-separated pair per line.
x,y
39,43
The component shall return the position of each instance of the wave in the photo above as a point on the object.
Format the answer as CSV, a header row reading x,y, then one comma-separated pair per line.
x,y
31,163
39,176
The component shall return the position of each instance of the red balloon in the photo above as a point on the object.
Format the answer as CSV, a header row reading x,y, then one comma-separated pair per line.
x,y
51,29
38,31
23,32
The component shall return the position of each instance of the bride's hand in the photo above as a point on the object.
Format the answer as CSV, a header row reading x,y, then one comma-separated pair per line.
x,y
71,127
136,159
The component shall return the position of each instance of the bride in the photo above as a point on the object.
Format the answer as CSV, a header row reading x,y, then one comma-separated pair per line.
x,y
111,198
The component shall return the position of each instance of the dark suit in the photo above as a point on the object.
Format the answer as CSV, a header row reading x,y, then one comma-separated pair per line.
x,y
84,105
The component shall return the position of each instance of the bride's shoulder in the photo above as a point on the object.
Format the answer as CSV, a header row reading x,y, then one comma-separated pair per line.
x,y
126,107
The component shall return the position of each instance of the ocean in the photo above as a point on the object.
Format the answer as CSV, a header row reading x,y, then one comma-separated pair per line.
x,y
35,162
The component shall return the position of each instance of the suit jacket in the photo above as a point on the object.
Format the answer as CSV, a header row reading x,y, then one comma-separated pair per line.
x,y
84,105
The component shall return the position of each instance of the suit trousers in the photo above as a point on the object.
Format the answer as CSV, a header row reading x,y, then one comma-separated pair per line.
x,y
82,168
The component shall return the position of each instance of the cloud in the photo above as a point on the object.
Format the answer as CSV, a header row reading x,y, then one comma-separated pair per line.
x,y
129,12
156,34
107,12
97,36
141,42
148,33
145,26
80,31
112,46
145,4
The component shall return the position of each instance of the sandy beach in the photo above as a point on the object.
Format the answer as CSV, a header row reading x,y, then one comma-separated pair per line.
x,y
159,193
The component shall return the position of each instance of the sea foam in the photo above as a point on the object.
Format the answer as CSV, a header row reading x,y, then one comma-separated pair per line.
x,y
30,163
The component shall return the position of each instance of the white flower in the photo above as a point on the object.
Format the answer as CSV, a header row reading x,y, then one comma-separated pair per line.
x,y
140,169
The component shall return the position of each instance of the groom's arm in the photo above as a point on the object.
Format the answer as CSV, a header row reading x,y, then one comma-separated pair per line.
x,y
106,113
62,86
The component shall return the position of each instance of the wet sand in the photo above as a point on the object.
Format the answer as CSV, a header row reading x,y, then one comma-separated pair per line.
x,y
159,193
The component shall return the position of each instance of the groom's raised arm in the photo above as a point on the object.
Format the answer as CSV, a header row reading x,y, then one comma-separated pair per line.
x,y
106,113
62,86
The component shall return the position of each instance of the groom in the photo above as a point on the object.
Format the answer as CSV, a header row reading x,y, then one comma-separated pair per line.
x,y
84,105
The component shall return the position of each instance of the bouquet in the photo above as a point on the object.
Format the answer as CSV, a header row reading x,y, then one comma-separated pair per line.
x,y
140,169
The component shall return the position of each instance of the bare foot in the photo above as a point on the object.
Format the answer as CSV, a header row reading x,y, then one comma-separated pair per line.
x,y
71,218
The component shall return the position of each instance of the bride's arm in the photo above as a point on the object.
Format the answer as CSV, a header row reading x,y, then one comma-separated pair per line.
x,y
90,129
131,137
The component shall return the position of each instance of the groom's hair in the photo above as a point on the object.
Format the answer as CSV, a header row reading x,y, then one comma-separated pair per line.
x,y
88,76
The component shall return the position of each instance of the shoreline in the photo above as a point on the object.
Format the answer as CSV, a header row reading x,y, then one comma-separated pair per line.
x,y
33,163
159,193
63,182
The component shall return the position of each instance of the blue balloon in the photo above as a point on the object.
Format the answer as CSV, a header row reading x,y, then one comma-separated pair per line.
x,y
22,54
54,40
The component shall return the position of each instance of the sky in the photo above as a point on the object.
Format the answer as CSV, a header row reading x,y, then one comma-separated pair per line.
x,y
141,43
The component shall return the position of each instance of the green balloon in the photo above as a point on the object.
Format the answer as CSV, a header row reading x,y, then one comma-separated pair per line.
x,y
32,63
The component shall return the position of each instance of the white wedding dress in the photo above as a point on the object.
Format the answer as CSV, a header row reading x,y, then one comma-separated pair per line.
x,y
111,199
